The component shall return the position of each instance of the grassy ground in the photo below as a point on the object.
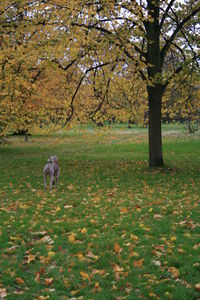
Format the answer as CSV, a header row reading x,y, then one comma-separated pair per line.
x,y
114,229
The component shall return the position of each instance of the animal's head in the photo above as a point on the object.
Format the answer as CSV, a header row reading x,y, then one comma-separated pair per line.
x,y
54,159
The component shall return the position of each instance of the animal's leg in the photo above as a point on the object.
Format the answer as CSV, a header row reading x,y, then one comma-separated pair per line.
x,y
56,180
51,181
45,181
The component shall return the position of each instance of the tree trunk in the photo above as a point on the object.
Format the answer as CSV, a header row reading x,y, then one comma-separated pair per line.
x,y
154,84
155,134
26,135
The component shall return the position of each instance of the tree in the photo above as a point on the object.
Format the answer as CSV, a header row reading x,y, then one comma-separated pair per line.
x,y
107,35
104,34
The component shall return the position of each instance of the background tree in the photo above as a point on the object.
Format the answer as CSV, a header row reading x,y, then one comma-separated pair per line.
x,y
93,36
138,33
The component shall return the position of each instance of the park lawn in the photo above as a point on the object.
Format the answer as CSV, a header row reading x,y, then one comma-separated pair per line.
x,y
114,228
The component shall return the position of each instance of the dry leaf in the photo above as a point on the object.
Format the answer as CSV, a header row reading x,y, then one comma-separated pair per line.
x,y
134,237
84,230
84,275
118,270
37,277
68,206
117,248
45,239
123,210
134,254
175,272
156,263
30,258
3,293
48,281
138,263
19,280
92,255
57,209
156,216
51,254
72,237
197,287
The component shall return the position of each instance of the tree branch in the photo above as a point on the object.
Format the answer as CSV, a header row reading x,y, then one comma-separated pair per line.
x,y
165,13
178,29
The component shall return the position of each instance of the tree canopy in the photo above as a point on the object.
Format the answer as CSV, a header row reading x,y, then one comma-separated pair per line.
x,y
115,58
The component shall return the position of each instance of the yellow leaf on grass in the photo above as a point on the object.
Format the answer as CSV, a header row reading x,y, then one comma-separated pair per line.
x,y
80,256
72,237
117,248
84,230
48,281
123,210
152,295
134,237
19,280
175,272
134,254
85,275
51,254
118,270
138,263
58,208
30,258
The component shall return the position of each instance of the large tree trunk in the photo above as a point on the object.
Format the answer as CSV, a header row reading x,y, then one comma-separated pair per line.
x,y
155,134
154,84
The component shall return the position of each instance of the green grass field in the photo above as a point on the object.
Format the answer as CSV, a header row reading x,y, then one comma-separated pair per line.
x,y
114,228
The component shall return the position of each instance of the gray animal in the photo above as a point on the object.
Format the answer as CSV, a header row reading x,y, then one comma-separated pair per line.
x,y
52,169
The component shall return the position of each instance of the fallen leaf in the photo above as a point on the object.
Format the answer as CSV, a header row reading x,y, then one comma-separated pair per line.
x,y
68,206
175,272
37,277
92,255
156,263
138,263
3,293
134,237
85,275
51,254
156,216
123,210
48,281
84,230
19,280
46,239
117,248
57,209
72,237
197,287
30,258
134,254
118,270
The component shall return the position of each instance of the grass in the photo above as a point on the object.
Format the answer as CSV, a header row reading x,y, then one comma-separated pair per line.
x,y
114,229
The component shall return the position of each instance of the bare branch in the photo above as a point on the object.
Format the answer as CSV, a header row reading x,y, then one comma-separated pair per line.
x,y
166,13
177,30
